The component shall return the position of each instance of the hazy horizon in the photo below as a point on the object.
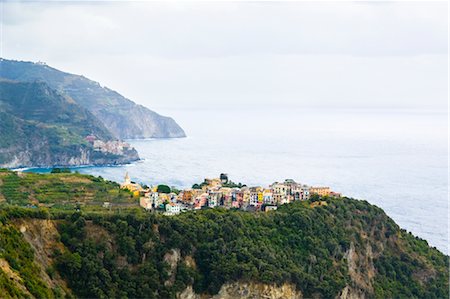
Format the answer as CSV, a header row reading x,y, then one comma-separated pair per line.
x,y
242,54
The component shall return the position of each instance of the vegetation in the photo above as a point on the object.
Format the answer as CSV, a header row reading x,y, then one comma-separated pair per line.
x,y
319,248
20,257
60,188
229,184
60,170
45,128
163,189
196,186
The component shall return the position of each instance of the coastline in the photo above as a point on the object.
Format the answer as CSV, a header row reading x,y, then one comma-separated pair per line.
x,y
47,169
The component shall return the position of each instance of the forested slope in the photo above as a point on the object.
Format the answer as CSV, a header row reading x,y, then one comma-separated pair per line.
x,y
345,248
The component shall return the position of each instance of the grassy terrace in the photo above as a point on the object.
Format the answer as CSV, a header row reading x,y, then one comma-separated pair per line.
x,y
62,191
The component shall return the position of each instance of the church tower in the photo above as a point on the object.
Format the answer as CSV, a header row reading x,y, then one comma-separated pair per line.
x,y
127,179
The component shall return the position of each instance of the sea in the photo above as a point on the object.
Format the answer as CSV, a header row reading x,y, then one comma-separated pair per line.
x,y
396,159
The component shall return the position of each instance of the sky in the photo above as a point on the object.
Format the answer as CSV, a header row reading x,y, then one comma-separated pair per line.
x,y
193,55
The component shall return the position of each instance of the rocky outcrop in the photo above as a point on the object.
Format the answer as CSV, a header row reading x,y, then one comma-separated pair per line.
x,y
144,123
247,290
42,156
361,271
172,257
351,293
13,277
43,237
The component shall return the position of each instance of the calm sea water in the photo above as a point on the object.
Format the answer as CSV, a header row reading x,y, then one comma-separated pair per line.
x,y
394,159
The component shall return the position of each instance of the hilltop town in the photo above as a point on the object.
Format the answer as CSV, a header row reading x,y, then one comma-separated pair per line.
x,y
221,192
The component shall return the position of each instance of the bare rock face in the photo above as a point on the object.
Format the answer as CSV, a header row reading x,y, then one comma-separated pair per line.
x,y
43,237
247,290
351,293
13,276
360,276
172,258
41,156
144,123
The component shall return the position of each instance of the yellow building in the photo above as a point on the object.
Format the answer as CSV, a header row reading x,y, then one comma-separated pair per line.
x,y
260,196
321,191
164,197
134,188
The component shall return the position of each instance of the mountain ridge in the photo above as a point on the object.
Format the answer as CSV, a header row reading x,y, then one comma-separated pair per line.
x,y
124,118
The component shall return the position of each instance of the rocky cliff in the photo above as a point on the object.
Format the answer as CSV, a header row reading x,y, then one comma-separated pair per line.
x,y
247,290
39,154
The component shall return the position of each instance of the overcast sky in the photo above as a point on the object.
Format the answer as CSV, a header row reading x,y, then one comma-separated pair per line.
x,y
256,54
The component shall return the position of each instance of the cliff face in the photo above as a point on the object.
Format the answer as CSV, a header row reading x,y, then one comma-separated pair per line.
x,y
39,154
123,118
44,239
144,123
247,290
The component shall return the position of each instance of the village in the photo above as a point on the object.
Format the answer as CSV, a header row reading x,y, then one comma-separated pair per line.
x,y
115,147
221,192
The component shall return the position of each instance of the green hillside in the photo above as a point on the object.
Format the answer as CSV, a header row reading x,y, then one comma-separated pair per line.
x,y
347,248
123,118
40,127
38,104
60,191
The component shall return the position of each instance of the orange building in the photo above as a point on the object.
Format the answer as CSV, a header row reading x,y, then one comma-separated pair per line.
x,y
321,191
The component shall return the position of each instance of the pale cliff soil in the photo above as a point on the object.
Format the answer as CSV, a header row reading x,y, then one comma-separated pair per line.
x,y
172,258
254,290
43,237
13,276
247,290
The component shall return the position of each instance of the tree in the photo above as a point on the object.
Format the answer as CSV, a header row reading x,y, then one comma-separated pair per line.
x,y
163,189
60,170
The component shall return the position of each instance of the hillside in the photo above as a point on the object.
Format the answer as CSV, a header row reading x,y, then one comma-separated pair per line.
x,y
40,127
346,249
124,118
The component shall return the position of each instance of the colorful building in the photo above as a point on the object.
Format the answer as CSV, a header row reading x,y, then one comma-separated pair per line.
x,y
321,191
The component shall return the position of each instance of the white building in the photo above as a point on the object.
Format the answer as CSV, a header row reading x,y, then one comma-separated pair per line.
x,y
172,209
279,193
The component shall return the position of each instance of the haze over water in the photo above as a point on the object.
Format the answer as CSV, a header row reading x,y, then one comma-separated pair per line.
x,y
395,159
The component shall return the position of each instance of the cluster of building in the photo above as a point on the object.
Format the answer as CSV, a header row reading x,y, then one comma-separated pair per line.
x,y
219,192
115,147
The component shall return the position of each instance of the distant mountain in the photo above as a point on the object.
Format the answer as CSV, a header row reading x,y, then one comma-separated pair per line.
x,y
123,118
40,127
